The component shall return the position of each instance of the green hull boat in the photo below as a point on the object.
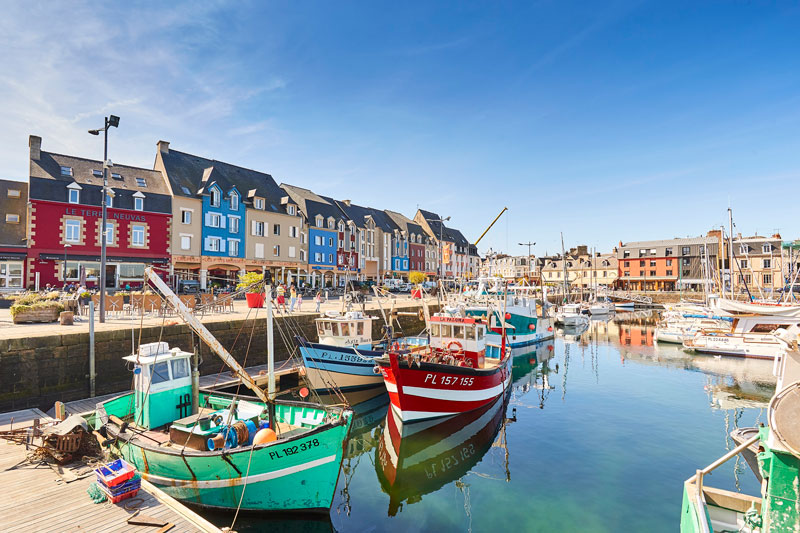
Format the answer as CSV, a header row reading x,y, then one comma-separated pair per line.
x,y
297,472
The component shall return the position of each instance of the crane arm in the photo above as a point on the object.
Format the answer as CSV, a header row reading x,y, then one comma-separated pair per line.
x,y
490,225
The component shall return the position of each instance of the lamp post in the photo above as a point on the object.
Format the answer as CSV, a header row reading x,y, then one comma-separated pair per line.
x,y
66,245
528,244
441,222
111,121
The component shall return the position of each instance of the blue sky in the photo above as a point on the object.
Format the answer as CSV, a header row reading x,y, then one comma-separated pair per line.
x,y
639,120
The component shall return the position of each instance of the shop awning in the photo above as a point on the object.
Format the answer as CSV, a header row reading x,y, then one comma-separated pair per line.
x,y
109,259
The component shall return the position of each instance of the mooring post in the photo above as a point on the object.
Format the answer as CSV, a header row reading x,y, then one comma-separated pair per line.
x,y
91,351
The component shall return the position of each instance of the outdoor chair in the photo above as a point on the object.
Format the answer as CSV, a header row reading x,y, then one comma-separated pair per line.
x,y
189,301
114,304
137,303
206,302
152,303
224,304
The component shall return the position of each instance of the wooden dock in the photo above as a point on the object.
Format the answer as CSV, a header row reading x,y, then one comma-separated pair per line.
x,y
38,498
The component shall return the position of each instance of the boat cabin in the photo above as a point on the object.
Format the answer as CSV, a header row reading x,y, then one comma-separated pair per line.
x,y
162,384
459,335
353,328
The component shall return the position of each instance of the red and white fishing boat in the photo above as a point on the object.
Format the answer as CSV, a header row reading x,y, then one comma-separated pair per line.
x,y
451,375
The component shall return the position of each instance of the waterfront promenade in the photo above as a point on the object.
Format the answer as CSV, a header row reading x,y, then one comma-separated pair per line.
x,y
125,321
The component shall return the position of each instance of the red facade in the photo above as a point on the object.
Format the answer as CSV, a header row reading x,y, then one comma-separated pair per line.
x,y
347,256
51,242
416,257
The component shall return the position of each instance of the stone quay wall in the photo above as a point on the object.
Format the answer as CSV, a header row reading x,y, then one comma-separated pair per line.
x,y
37,371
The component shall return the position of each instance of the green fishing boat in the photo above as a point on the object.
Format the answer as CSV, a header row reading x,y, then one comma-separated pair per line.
x,y
219,450
773,454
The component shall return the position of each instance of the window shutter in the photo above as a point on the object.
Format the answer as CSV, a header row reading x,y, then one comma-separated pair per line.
x,y
208,219
222,220
252,227
222,245
206,244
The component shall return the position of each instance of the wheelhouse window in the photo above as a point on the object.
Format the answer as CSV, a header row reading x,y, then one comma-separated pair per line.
x,y
180,368
160,372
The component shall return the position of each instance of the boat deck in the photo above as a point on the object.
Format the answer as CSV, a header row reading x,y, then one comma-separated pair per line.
x,y
37,498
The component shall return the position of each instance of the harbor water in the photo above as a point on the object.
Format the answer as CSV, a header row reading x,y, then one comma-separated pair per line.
x,y
598,433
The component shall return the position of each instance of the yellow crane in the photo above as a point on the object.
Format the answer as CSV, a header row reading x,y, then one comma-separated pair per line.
x,y
490,225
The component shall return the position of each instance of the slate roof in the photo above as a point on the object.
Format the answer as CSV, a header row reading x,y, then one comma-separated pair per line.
x,y
448,234
311,204
13,234
404,223
48,166
187,172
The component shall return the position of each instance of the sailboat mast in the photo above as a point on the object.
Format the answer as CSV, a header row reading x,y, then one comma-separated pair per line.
x,y
730,249
564,263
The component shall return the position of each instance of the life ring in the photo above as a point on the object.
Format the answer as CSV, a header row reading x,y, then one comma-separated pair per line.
x,y
376,370
454,343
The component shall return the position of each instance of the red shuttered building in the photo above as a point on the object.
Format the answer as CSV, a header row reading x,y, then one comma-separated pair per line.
x,y
65,218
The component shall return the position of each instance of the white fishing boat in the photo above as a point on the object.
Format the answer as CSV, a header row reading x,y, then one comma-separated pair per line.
x,y
749,336
684,327
601,308
571,315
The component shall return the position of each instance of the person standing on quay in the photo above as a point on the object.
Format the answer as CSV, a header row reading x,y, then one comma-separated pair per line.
x,y
318,300
299,301
281,296
292,298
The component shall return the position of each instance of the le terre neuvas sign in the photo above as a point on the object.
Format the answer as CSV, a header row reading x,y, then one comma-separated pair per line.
x,y
97,213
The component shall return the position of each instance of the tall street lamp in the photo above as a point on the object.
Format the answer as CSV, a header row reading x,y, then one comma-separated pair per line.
x,y
441,222
66,245
111,121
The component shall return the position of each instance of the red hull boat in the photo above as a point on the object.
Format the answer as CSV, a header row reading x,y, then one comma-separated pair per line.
x,y
450,376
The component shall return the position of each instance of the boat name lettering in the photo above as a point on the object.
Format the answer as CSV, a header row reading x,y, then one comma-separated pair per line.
x,y
292,450
351,358
450,461
449,380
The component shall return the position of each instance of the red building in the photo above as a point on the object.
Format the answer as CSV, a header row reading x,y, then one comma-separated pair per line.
x,y
416,253
65,218
347,254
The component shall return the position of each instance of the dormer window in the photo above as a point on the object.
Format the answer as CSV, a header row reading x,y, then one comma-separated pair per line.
x,y
330,223
234,201
97,173
109,200
767,248
341,226
291,209
138,201
140,182
215,198
319,222
66,171
743,249
74,193
258,203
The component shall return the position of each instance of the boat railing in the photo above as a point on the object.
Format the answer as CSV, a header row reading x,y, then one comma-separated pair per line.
x,y
697,479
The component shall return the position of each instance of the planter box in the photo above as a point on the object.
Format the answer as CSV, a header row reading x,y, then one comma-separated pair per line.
x,y
37,315
254,300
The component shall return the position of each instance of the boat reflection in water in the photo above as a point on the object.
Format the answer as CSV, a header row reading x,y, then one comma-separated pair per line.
x,y
419,458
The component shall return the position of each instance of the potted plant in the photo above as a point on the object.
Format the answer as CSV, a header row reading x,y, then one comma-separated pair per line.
x,y
32,308
254,291
416,278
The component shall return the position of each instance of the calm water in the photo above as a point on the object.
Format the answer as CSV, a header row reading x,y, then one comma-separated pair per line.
x,y
599,433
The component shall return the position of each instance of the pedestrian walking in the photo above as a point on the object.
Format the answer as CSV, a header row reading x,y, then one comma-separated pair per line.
x,y
292,298
318,300
299,301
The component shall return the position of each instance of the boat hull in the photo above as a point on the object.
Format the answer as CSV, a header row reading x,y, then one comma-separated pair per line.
x,y
749,346
420,391
339,366
295,474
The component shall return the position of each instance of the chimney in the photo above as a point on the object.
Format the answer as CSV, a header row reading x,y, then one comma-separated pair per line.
x,y
163,147
347,203
35,144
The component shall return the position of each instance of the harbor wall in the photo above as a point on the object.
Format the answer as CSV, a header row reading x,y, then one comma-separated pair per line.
x,y
37,371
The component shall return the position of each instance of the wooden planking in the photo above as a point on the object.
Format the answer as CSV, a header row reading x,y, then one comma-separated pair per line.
x,y
88,405
34,499
22,419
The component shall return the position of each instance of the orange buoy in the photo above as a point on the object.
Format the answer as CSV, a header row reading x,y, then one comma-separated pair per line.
x,y
265,435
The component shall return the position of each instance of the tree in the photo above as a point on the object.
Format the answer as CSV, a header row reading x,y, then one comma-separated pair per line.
x,y
416,277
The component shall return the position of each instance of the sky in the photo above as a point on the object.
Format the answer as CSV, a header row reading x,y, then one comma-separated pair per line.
x,y
613,121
